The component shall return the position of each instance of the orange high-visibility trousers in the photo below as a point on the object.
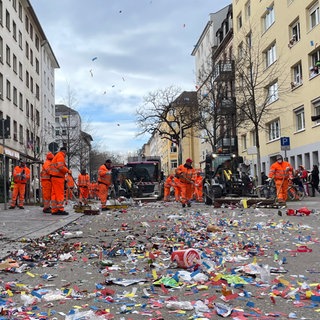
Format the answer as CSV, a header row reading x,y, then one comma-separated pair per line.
x,y
186,192
103,194
282,189
57,195
46,192
18,189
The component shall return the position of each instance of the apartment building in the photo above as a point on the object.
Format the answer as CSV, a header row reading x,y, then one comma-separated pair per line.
x,y
215,84
68,133
285,37
27,90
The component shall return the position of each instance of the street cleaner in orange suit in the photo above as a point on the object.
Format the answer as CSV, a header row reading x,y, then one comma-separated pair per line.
x,y
46,183
58,170
186,175
21,175
104,182
167,187
83,184
280,172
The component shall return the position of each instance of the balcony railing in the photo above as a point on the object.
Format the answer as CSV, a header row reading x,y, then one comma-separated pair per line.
x,y
223,71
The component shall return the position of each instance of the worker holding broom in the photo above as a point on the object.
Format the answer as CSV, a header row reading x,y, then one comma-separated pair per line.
x,y
104,182
83,185
186,174
280,172
46,183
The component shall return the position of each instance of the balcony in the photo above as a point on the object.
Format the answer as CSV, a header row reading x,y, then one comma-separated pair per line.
x,y
223,71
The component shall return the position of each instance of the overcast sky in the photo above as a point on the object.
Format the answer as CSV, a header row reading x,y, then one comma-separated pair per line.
x,y
112,53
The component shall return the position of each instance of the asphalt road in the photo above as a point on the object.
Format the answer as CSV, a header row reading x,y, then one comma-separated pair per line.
x,y
113,264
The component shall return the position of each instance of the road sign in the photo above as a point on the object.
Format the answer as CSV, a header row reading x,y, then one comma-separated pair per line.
x,y
285,143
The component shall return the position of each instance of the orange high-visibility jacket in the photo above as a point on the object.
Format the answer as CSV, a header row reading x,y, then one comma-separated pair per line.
x,y
185,174
83,180
21,174
104,175
44,174
280,171
58,166
69,180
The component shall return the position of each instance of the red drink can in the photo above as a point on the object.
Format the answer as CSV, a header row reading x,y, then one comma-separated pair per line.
x,y
186,258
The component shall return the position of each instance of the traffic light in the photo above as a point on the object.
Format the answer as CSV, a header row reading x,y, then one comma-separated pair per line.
x,y
4,128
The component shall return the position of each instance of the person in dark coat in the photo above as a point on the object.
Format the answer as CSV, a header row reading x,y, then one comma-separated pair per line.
x,y
315,180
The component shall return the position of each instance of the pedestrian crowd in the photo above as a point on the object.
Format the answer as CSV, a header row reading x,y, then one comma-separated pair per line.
x,y
58,186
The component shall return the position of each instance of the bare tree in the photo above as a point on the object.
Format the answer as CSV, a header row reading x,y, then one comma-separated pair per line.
x,y
259,83
169,113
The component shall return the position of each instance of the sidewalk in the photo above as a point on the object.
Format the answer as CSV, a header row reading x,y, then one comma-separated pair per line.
x,y
30,223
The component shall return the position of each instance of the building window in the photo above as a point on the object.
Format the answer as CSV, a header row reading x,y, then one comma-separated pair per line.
x,y
314,63
20,39
240,50
8,20
8,56
314,15
37,118
249,39
57,132
253,138
316,109
270,55
15,130
14,30
8,90
1,86
272,93
239,21
37,42
20,133
20,70
274,130
27,50
1,12
268,18
294,33
300,120
244,141
27,108
174,164
173,147
20,101
296,75
248,9
20,11
37,66
1,49
14,63
15,96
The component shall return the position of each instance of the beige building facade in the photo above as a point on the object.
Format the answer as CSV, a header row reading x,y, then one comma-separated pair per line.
x,y
288,34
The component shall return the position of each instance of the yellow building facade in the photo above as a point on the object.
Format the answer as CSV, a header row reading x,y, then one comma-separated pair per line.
x,y
287,33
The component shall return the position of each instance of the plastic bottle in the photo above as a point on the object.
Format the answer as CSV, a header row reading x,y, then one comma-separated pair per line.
x,y
75,234
179,305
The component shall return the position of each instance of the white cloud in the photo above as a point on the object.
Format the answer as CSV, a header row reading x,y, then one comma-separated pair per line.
x,y
140,45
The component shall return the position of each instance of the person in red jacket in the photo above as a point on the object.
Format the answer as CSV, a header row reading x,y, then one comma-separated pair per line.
x,y
46,183
186,175
21,175
104,182
280,172
83,184
58,170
